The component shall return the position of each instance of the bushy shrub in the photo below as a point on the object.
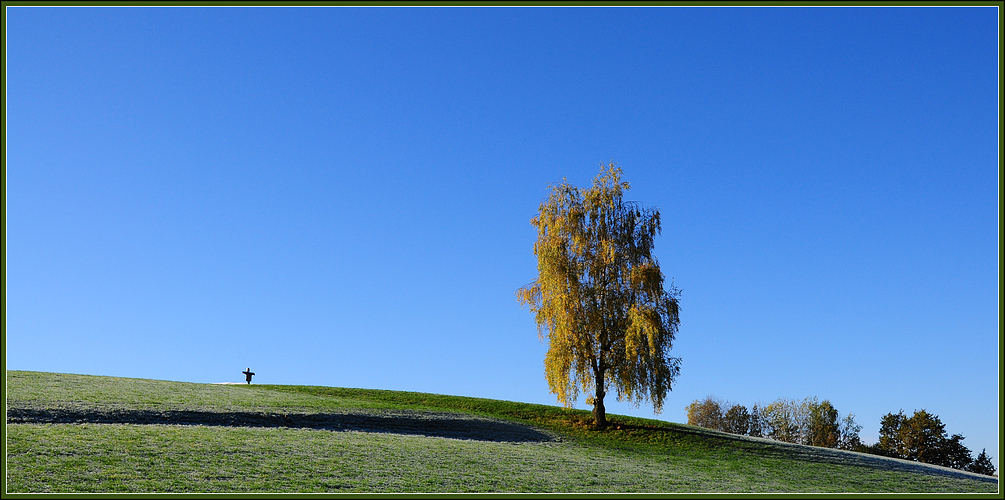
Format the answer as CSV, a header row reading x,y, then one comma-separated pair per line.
x,y
705,413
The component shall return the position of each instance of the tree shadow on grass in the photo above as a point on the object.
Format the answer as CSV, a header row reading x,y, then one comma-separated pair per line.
x,y
764,447
433,424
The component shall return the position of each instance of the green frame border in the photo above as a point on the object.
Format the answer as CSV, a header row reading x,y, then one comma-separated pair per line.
x,y
489,3
511,3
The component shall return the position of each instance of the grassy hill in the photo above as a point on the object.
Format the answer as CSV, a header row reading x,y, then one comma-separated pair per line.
x,y
80,433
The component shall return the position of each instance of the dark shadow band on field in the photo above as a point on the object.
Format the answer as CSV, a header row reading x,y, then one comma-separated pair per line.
x,y
414,423
790,451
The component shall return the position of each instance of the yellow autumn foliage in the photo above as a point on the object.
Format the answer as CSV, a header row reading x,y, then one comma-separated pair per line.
x,y
599,299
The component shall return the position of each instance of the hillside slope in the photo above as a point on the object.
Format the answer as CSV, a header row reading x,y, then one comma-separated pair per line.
x,y
80,433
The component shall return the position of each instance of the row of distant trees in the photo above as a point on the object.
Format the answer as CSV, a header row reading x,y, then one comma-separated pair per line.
x,y
812,422
921,437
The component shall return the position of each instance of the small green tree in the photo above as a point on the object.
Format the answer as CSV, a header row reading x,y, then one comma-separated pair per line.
x,y
781,421
982,465
952,453
705,413
822,425
736,420
922,437
600,297
890,438
756,424
849,439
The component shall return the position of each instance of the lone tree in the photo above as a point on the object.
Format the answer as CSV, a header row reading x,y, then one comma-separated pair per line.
x,y
599,297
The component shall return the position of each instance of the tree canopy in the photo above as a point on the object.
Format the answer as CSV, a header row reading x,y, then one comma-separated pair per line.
x,y
922,437
600,299
982,465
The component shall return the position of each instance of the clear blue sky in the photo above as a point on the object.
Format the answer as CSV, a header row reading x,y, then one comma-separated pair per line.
x,y
342,196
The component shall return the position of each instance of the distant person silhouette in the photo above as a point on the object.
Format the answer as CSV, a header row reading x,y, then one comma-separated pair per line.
x,y
248,374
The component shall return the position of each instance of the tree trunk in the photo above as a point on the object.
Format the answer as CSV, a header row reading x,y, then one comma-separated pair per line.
x,y
599,412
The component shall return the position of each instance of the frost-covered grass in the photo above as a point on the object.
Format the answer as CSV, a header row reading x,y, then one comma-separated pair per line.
x,y
320,439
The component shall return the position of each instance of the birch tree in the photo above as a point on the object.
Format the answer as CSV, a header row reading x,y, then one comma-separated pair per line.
x,y
599,299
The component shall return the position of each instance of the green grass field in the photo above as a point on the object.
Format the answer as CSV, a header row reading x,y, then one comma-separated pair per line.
x,y
80,433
